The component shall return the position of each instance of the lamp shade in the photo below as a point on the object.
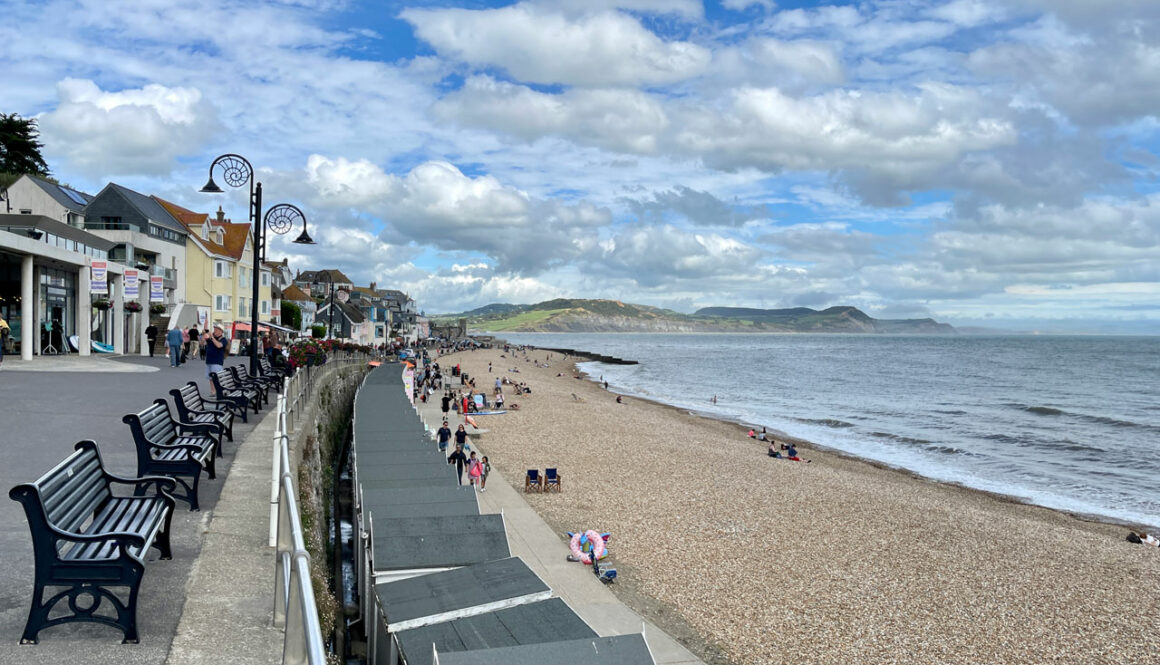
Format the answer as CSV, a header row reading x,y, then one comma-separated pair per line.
x,y
211,187
304,238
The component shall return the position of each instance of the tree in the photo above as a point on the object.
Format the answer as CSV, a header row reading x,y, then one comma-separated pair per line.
x,y
291,315
20,147
318,331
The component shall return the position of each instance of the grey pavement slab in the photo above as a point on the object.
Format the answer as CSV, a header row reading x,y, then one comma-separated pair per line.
x,y
42,414
619,650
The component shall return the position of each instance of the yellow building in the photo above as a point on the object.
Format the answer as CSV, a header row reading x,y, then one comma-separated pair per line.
x,y
218,272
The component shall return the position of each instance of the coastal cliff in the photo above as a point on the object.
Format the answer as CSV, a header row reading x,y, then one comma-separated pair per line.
x,y
579,315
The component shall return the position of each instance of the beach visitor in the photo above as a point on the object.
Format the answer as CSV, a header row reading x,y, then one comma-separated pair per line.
x,y
215,351
151,337
446,405
1143,539
4,332
485,468
773,452
752,434
193,336
458,459
461,436
761,436
619,399
792,454
444,435
499,400
474,470
173,344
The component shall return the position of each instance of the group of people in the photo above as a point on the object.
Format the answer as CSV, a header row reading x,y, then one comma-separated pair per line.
x,y
775,449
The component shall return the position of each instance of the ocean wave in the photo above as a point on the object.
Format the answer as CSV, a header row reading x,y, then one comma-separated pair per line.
x,y
901,439
1101,420
827,422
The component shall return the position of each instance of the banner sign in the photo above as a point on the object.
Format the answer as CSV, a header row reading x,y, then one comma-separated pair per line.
x,y
156,289
132,290
100,278
203,319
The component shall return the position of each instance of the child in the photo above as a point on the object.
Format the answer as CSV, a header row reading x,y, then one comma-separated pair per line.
x,y
474,469
485,469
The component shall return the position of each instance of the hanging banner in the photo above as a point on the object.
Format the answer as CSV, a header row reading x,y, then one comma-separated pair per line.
x,y
132,290
100,278
203,319
156,289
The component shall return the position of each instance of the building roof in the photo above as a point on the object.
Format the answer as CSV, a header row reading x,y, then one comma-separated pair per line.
x,y
55,227
351,312
145,205
336,276
546,621
296,294
412,543
615,650
234,238
459,592
68,197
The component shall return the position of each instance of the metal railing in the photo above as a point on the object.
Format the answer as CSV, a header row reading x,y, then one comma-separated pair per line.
x,y
295,608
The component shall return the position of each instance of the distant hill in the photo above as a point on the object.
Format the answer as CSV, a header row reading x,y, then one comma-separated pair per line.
x,y
583,315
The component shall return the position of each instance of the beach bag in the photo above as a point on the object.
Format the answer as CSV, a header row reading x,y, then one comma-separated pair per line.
x,y
475,470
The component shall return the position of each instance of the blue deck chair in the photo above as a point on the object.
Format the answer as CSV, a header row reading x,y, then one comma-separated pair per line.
x,y
533,482
551,480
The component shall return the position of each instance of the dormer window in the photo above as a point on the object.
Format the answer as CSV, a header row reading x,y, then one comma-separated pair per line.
x,y
205,231
221,237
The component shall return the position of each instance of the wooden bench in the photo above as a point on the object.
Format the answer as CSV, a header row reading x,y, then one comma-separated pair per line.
x,y
193,408
228,388
268,369
89,541
243,378
166,447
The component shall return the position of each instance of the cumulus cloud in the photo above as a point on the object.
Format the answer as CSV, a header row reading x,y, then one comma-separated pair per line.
x,y
537,45
652,255
699,207
436,204
138,131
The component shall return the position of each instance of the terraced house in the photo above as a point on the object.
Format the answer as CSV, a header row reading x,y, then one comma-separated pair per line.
x,y
218,275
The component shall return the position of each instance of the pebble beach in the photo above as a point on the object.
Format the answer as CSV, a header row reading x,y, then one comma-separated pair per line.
x,y
755,560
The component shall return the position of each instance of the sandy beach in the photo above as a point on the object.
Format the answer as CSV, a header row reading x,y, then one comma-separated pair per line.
x,y
754,560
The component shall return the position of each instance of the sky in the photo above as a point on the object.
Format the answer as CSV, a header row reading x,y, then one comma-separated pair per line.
x,y
982,162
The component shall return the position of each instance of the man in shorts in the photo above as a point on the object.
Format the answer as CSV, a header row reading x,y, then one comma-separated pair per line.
x,y
216,346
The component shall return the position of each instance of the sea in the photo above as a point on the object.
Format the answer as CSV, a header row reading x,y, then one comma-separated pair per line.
x,y
1067,422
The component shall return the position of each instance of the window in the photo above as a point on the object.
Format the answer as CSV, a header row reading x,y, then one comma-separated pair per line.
x,y
221,269
26,211
112,223
242,311
265,306
221,303
265,279
205,231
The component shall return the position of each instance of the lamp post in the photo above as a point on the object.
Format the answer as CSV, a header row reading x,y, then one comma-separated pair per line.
x,y
279,219
330,300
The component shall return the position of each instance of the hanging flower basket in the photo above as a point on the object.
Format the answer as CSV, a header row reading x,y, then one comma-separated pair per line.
x,y
307,352
157,308
102,304
132,306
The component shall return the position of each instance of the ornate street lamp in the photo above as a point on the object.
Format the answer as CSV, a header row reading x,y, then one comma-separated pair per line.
x,y
280,219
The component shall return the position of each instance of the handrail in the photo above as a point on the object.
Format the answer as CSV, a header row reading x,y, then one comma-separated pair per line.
x,y
295,608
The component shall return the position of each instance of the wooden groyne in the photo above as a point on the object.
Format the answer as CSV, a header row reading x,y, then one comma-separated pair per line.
x,y
599,357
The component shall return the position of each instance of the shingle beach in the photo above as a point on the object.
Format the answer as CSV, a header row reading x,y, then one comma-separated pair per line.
x,y
835,561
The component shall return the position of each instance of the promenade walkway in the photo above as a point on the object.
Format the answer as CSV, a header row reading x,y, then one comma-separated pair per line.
x,y
531,539
46,406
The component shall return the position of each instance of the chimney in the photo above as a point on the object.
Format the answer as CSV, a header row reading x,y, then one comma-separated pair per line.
x,y
372,286
221,216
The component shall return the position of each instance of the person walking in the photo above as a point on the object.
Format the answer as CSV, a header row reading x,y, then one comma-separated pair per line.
x,y
444,435
151,336
485,468
474,470
458,459
194,335
216,346
174,341
461,437
5,331
446,405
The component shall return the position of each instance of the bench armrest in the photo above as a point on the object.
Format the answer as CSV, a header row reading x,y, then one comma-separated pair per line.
x,y
210,400
178,446
209,429
164,485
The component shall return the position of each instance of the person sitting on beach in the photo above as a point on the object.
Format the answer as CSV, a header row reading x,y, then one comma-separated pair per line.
x,y
761,436
773,451
792,455
619,399
752,434
1143,539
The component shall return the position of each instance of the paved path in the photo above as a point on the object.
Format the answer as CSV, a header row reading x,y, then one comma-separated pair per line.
x,y
531,539
42,414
